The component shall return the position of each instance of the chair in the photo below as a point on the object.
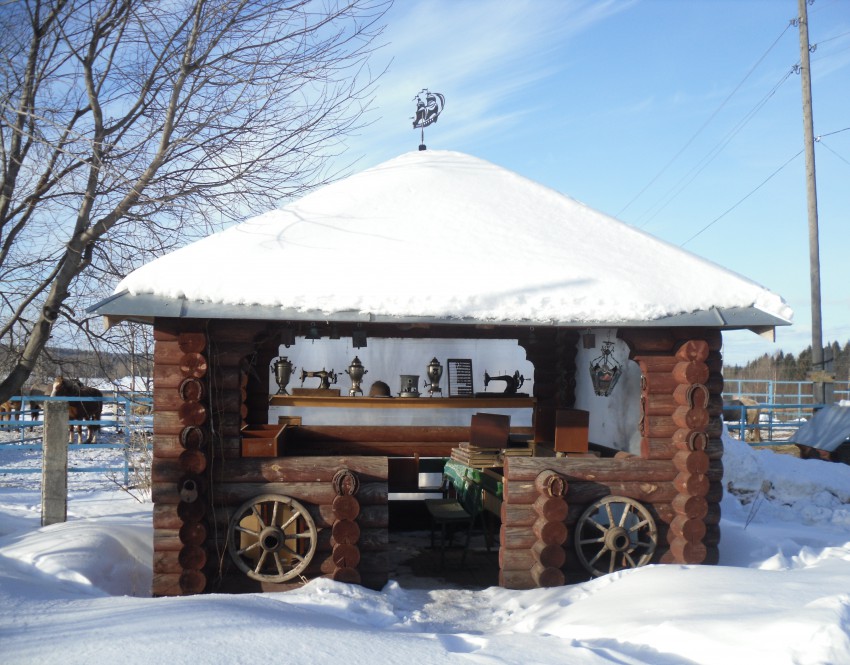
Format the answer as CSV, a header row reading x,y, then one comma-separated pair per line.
x,y
452,513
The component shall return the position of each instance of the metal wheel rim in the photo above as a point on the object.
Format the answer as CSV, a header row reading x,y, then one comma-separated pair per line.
x,y
615,533
281,521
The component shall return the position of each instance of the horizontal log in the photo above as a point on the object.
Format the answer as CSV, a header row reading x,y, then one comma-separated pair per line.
x,y
551,508
546,576
515,559
345,556
345,507
715,362
345,532
319,493
715,383
549,556
518,537
374,448
645,492
191,512
165,516
693,484
300,469
691,461
694,350
682,526
575,469
666,448
691,418
192,461
549,532
691,372
193,533
170,377
167,540
347,575
169,422
516,579
189,557
691,507
687,552
643,340
178,584
390,433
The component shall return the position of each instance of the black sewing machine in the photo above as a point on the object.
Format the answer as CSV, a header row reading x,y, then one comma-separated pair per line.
x,y
512,383
327,378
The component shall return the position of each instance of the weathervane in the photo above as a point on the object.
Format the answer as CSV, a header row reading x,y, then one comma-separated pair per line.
x,y
429,105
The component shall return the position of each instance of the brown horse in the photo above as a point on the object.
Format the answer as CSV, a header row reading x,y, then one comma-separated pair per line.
x,y
6,409
63,387
732,413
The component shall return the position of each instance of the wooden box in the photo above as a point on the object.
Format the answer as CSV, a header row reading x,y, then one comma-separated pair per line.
x,y
571,430
490,430
262,440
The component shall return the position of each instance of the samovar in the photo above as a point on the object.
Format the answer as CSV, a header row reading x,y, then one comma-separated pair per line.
x,y
434,371
282,373
356,371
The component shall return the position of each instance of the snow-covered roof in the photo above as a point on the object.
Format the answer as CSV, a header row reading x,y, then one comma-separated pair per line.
x,y
443,236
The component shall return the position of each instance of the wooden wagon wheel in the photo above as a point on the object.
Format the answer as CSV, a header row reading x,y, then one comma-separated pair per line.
x,y
272,538
615,533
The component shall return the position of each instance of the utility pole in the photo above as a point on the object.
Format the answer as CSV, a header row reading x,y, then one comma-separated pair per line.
x,y
819,386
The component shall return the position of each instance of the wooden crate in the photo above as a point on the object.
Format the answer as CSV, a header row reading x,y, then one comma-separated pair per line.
x,y
262,440
571,430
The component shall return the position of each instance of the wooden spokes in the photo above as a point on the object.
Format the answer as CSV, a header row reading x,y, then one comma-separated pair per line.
x,y
615,533
272,538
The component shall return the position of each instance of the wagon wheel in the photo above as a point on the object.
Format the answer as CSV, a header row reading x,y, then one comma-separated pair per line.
x,y
615,533
272,538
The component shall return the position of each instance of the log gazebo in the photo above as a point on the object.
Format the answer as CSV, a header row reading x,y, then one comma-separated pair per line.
x,y
256,486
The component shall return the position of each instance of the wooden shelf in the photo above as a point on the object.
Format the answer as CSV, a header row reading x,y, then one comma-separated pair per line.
x,y
404,402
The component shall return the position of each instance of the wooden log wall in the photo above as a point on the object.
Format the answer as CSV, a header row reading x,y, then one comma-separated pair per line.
x,y
678,475
681,400
180,461
346,497
533,530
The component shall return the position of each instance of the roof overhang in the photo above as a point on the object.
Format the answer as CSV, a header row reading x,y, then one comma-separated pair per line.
x,y
144,308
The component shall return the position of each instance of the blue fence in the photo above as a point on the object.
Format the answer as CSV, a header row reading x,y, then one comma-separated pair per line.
x,y
124,422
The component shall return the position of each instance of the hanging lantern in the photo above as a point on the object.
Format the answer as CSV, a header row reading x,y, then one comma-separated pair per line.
x,y
605,371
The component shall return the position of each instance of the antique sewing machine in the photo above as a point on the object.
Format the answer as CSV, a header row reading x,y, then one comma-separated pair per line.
x,y
512,382
327,378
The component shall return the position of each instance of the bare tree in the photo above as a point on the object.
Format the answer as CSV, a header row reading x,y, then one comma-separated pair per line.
x,y
130,126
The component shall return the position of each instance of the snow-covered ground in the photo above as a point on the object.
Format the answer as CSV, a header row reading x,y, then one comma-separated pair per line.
x,y
78,592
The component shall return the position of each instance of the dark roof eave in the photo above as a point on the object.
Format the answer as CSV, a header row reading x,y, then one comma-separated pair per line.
x,y
146,307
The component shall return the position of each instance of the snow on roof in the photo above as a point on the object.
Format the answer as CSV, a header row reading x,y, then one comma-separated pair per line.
x,y
447,236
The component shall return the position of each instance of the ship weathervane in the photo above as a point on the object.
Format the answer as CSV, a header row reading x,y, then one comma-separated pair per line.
x,y
429,105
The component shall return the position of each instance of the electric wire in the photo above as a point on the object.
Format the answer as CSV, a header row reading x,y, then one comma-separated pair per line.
x,y
740,201
704,125
691,175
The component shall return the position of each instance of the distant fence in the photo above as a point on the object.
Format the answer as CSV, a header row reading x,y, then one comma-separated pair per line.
x,y
783,406
124,421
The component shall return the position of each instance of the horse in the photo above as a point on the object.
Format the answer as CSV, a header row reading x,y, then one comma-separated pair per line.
x,y
732,413
6,409
63,387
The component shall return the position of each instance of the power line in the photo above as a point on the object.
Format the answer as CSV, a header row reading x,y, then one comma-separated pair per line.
x,y
691,175
753,191
704,125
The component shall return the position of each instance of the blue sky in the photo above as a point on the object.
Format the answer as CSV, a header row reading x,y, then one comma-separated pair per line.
x,y
680,118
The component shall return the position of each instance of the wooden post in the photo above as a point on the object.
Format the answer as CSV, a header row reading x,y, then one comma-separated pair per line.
x,y
54,465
